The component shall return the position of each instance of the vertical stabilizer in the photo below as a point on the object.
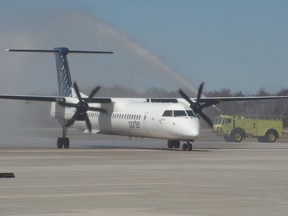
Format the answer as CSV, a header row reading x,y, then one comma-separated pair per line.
x,y
63,72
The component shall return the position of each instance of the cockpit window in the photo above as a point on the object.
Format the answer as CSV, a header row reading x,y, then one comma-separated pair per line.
x,y
179,113
190,113
168,113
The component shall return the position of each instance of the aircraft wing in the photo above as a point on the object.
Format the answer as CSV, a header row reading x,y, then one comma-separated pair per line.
x,y
32,98
109,100
49,98
247,98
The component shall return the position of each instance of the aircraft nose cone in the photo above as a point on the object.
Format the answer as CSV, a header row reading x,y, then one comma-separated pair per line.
x,y
195,128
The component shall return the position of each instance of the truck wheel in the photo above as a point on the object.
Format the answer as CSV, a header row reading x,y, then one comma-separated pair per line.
x,y
237,135
271,136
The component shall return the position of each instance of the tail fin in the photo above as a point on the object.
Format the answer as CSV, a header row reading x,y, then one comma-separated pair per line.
x,y
63,72
62,66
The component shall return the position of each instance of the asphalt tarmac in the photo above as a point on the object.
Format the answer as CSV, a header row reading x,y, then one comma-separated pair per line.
x,y
103,175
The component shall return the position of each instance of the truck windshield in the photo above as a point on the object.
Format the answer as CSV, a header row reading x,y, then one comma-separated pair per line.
x,y
227,121
217,121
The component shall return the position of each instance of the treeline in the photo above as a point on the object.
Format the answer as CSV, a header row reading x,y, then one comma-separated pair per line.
x,y
37,114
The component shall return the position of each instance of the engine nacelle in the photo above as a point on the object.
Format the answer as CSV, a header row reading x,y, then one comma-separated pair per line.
x,y
60,112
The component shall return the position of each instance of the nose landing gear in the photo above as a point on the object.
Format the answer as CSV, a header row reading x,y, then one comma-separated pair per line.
x,y
187,146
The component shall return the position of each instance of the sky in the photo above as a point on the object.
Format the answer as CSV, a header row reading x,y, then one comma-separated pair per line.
x,y
169,44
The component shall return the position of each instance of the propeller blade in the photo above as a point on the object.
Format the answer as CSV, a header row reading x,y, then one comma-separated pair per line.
x,y
183,94
197,106
206,119
200,89
88,123
93,93
72,120
77,91
82,107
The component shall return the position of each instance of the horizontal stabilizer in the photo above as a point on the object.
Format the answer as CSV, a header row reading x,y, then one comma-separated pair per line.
x,y
56,50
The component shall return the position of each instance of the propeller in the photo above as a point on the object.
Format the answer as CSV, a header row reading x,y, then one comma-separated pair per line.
x,y
197,106
82,107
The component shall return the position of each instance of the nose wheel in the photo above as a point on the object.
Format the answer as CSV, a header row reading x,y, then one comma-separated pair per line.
x,y
63,142
187,146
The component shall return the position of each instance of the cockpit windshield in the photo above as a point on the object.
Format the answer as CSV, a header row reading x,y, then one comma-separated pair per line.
x,y
168,113
191,113
178,113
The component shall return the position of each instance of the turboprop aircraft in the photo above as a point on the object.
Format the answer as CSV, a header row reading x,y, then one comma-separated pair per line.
x,y
173,119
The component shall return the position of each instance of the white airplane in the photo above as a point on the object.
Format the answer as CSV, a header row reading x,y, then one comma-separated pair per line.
x,y
172,119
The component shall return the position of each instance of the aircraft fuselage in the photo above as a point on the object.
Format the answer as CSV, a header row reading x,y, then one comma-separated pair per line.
x,y
138,118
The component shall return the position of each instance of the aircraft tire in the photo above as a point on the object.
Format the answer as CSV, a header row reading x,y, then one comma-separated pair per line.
x,y
173,144
176,144
170,144
189,146
66,142
184,147
60,142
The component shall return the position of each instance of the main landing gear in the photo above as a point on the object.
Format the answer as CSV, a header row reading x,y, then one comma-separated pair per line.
x,y
187,146
63,141
82,107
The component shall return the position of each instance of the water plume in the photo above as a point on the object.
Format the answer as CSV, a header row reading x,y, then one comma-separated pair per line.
x,y
145,54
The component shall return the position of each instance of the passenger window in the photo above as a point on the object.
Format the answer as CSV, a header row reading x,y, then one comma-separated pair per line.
x,y
167,113
179,113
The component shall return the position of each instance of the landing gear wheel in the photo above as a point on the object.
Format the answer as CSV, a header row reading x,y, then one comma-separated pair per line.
x,y
66,142
60,142
184,147
170,144
189,147
173,144
63,142
176,144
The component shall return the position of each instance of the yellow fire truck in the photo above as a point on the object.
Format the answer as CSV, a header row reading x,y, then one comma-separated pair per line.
x,y
236,128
